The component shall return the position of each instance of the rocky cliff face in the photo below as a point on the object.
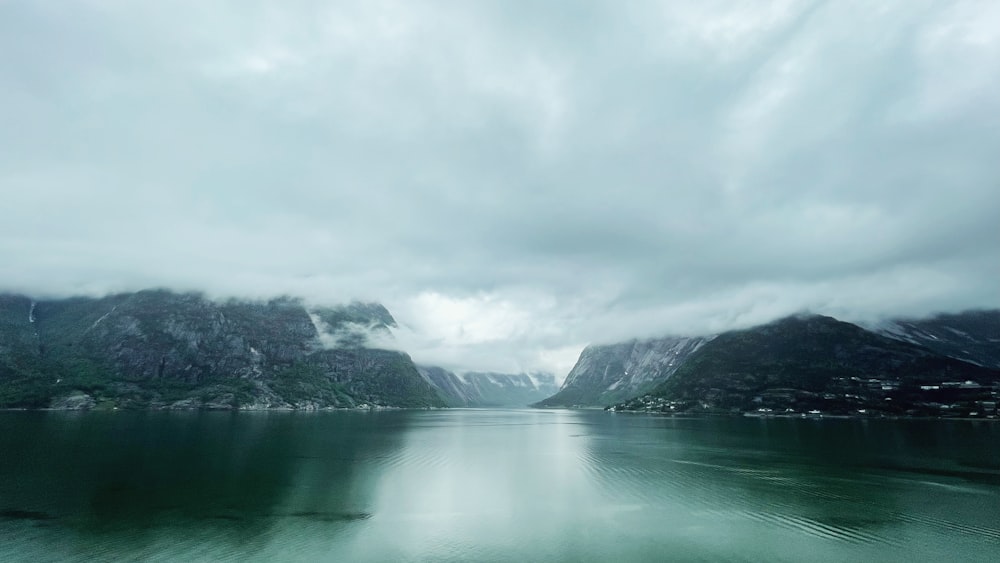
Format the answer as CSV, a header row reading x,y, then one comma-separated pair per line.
x,y
605,374
485,389
162,349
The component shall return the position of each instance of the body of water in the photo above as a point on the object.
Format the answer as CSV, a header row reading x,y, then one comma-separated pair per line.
x,y
494,485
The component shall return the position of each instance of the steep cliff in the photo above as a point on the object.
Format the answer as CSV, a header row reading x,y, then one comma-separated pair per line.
x,y
605,374
162,349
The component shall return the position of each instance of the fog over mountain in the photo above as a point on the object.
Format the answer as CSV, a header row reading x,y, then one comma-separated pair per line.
x,y
512,180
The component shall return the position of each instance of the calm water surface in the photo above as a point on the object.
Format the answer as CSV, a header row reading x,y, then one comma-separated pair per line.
x,y
494,485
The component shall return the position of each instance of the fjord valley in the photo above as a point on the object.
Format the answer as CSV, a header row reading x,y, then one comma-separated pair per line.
x,y
463,281
489,389
160,349
121,451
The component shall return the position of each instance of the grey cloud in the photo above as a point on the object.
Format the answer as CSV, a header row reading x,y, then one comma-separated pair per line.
x,y
595,171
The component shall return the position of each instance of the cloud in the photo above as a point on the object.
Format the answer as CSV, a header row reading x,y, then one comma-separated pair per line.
x,y
512,180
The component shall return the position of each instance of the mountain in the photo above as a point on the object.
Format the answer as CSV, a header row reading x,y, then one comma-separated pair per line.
x,y
819,363
605,374
972,336
487,389
158,349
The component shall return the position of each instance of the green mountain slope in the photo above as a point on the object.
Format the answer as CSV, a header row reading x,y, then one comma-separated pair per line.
x,y
162,349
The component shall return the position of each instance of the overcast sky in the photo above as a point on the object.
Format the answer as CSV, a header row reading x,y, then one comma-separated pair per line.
x,y
513,180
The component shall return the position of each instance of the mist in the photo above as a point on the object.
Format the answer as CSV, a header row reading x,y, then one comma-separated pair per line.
x,y
512,181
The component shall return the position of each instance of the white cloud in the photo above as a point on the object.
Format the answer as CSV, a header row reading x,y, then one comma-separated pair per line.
x,y
512,180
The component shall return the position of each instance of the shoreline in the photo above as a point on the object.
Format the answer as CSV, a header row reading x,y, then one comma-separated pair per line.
x,y
805,416
236,410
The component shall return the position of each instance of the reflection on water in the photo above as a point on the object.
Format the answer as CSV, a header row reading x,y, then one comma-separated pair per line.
x,y
493,485
192,485
466,483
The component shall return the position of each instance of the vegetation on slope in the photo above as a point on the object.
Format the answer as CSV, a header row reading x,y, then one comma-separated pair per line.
x,y
162,349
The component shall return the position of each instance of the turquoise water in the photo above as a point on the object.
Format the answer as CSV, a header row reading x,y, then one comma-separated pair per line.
x,y
493,485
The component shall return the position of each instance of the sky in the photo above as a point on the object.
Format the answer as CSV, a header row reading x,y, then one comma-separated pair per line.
x,y
513,180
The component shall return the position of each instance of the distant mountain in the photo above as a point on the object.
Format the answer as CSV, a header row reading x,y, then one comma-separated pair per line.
x,y
605,374
972,336
819,363
158,349
486,389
